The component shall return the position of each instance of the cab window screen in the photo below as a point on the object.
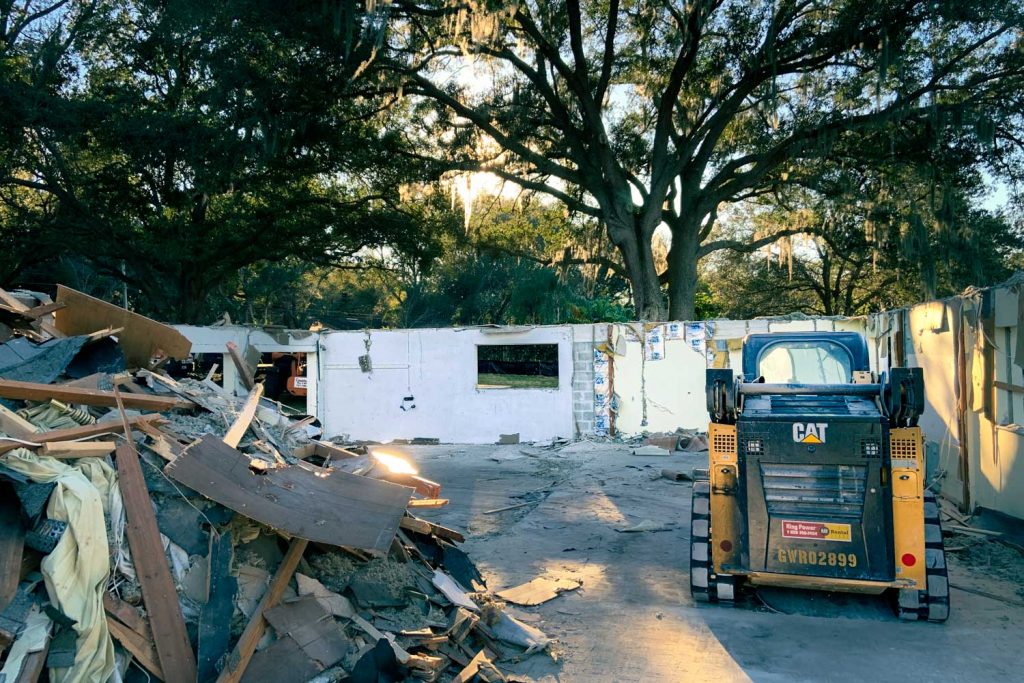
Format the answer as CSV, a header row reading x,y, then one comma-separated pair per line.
x,y
810,362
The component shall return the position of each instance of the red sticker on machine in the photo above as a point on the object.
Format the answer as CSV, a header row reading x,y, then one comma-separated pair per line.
x,y
817,531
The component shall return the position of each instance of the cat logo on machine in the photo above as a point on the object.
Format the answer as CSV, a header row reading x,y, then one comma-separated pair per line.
x,y
809,432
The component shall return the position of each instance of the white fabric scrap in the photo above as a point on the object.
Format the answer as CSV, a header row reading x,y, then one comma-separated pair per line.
x,y
511,630
75,572
32,639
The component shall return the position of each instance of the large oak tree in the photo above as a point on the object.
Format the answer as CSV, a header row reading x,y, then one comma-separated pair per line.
x,y
642,113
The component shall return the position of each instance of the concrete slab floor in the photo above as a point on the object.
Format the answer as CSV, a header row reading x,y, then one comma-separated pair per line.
x,y
633,618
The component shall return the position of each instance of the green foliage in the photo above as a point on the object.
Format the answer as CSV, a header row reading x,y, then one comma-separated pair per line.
x,y
639,114
280,162
207,140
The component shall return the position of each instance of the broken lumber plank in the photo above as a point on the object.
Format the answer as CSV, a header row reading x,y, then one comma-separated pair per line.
x,y
12,302
422,526
127,614
177,660
326,506
428,502
74,433
12,544
44,309
245,373
241,424
134,642
142,339
328,450
15,425
239,658
163,445
96,336
77,449
480,667
424,487
30,391
29,315
299,424
214,639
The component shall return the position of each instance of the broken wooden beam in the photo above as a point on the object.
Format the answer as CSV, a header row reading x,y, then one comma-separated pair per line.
x,y
245,373
138,644
15,425
12,544
322,505
77,449
177,661
428,502
422,526
74,433
162,444
31,391
241,424
239,658
12,302
40,311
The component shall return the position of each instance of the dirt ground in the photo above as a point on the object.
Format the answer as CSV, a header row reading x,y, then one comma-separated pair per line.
x,y
633,618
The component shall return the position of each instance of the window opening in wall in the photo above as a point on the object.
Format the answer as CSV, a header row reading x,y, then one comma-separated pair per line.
x,y
197,366
284,377
517,366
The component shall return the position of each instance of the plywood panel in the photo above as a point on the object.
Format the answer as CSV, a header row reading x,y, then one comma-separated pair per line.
x,y
327,506
141,338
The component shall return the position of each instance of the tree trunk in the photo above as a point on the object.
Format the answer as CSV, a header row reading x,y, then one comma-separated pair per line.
x,y
682,269
626,234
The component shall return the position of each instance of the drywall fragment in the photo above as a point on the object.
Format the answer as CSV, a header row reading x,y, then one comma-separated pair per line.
x,y
650,450
453,591
538,591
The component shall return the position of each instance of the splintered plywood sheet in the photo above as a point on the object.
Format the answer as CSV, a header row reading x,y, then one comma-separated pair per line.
x,y
141,338
325,506
538,591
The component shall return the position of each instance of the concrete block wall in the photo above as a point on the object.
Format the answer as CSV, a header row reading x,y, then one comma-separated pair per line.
x,y
583,387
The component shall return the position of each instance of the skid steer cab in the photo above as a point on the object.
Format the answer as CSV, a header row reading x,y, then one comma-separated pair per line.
x,y
815,478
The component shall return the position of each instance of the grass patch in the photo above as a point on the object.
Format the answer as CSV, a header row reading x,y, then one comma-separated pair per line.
x,y
487,380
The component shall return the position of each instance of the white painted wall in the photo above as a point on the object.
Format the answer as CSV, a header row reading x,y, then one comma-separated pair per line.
x,y
668,394
930,336
438,367
994,444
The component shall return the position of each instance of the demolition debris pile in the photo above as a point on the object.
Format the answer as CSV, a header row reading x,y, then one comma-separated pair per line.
x,y
155,528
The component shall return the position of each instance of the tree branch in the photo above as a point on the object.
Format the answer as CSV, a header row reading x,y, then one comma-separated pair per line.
x,y
747,247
